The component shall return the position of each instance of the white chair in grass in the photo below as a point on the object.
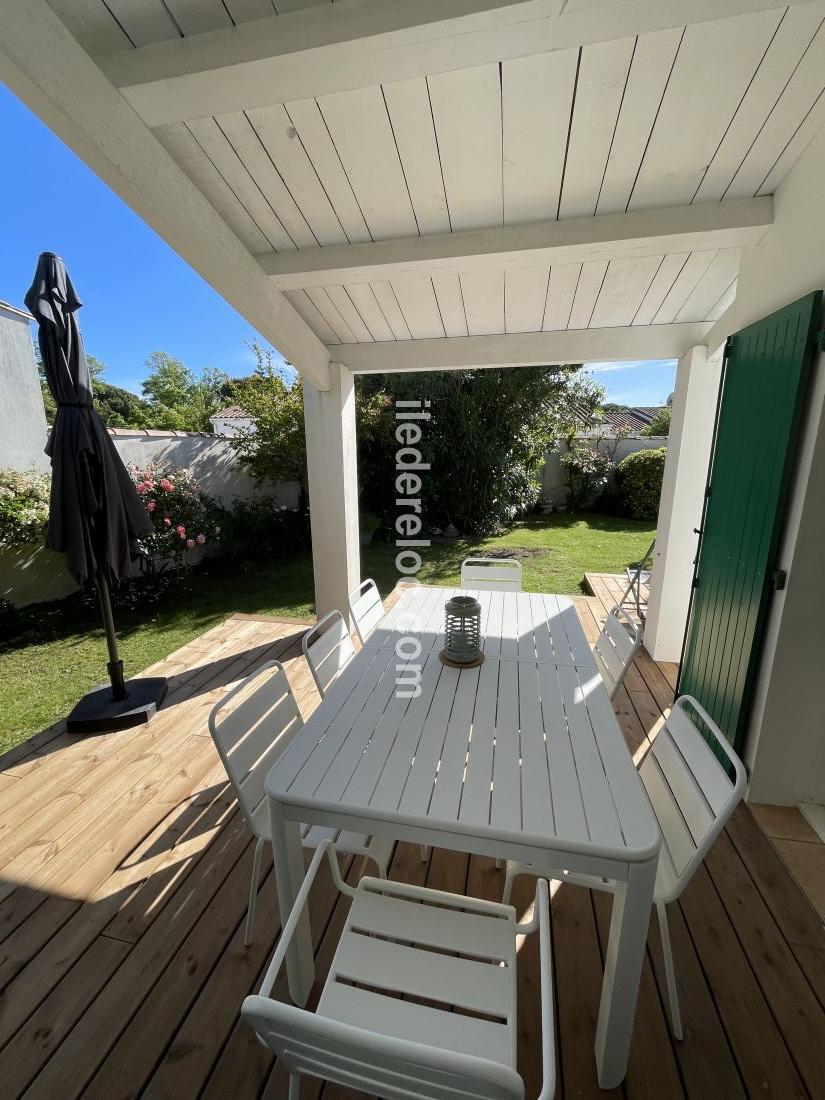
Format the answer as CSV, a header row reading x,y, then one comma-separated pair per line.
x,y
328,649
251,726
366,608
454,956
688,781
616,646
491,574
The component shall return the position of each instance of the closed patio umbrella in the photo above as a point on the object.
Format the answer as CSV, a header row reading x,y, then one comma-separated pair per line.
x,y
95,515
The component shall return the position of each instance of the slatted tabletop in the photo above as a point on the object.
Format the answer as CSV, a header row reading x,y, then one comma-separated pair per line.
x,y
529,626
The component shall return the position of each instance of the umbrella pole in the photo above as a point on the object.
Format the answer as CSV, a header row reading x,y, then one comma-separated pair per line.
x,y
115,665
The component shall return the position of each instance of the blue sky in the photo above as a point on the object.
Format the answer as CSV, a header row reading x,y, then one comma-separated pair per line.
x,y
139,295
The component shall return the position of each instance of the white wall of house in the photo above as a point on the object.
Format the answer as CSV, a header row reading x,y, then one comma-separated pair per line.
x,y
232,425
22,416
680,508
552,474
786,743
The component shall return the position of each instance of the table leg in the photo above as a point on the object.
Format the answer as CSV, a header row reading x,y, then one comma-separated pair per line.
x,y
288,856
629,923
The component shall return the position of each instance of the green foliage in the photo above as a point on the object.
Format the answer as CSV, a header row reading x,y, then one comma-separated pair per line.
x,y
119,408
182,516
639,481
261,529
177,399
24,508
660,424
586,470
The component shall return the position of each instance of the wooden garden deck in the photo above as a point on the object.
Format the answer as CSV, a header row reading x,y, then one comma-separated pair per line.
x,y
123,880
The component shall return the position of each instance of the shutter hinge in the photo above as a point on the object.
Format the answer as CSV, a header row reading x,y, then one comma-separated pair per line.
x,y
707,491
728,347
695,580
778,579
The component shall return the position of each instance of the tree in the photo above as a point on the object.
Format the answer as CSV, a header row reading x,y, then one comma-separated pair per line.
x,y
177,398
119,408
660,424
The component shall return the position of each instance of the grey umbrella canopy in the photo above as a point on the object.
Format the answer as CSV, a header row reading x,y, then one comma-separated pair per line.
x,y
95,515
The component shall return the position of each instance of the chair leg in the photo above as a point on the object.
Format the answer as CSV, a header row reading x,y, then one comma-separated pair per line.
x,y
253,890
513,869
294,1086
670,973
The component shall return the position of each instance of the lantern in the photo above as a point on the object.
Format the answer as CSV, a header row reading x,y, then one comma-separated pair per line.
x,y
462,631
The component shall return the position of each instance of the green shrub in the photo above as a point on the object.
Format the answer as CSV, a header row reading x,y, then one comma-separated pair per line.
x,y
261,529
24,507
639,481
183,518
586,471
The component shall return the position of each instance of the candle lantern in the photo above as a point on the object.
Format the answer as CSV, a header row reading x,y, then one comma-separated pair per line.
x,y
462,632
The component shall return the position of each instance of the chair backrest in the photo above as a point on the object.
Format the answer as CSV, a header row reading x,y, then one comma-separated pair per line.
x,y
690,788
396,1069
615,648
491,574
328,649
366,608
251,726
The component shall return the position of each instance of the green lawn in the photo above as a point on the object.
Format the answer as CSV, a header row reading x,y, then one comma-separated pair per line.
x,y
63,653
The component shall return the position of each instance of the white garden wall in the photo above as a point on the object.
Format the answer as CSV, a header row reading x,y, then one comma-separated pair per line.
x,y
552,476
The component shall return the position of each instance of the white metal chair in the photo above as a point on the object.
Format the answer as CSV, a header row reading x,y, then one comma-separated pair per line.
x,y
328,649
692,796
615,648
455,956
366,608
491,574
249,738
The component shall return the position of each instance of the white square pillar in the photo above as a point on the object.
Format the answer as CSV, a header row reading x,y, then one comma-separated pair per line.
x,y
680,508
332,468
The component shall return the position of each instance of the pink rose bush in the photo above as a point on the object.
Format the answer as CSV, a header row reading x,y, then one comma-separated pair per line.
x,y
176,507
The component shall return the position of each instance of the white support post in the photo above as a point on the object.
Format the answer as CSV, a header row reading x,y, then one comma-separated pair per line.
x,y
680,509
333,489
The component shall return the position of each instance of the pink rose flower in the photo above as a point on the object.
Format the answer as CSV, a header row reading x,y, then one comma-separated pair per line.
x,y
167,520
181,530
140,488
200,540
166,485
150,505
190,544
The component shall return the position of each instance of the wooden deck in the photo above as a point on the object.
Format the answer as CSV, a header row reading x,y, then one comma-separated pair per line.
x,y
609,588
123,890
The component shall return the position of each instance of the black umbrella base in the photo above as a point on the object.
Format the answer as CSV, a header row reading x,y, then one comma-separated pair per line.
x,y
98,712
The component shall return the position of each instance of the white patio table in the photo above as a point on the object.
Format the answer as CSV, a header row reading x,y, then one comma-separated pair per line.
x,y
520,758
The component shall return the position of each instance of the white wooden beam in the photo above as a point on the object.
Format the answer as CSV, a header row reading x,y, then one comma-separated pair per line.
x,y
526,349
733,224
360,43
44,65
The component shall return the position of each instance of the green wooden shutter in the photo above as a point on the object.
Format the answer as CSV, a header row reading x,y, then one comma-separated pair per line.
x,y
763,393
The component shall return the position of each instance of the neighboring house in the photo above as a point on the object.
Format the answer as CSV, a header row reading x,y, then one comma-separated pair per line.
x,y
630,421
231,421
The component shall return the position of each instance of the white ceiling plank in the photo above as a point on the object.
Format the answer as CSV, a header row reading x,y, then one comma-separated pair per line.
x,y
725,302
467,111
329,48
385,296
732,224
603,71
417,300
793,106
285,6
525,349
199,168
283,144
364,300
649,71
561,289
329,311
483,293
525,294
211,139
537,95
242,11
93,25
197,16
360,128
344,304
145,21
660,287
623,289
587,291
309,311
451,304
53,75
718,277
792,39
808,129
311,128
408,103
244,140
696,111
683,286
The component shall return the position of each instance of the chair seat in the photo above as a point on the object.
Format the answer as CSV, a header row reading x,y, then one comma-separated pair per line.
x,y
357,844
462,964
